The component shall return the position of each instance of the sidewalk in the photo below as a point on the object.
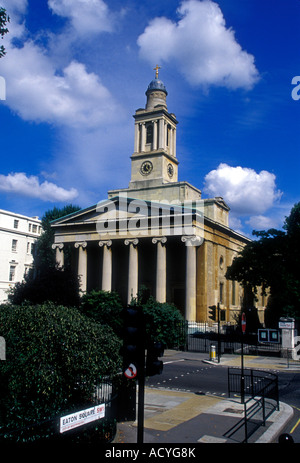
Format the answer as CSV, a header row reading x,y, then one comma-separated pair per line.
x,y
173,416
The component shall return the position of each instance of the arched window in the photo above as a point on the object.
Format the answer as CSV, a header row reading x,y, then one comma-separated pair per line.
x,y
149,134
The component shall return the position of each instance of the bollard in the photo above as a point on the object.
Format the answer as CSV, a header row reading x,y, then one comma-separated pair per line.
x,y
212,352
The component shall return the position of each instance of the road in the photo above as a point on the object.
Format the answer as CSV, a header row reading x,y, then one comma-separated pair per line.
x,y
192,376
289,392
202,378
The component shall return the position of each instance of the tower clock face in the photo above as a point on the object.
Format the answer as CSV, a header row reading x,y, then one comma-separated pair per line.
x,y
146,168
170,170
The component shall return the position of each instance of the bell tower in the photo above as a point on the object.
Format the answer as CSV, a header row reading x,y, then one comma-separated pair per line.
x,y
154,161
154,164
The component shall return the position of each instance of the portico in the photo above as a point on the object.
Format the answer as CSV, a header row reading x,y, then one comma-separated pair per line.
x,y
165,264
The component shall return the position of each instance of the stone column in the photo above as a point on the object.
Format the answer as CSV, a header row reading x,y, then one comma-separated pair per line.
x,y
136,138
106,265
82,264
161,269
132,289
143,137
59,254
191,243
174,143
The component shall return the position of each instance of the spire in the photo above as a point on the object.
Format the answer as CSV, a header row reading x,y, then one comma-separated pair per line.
x,y
156,92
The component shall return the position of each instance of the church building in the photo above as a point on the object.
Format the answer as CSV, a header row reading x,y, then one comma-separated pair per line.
x,y
158,232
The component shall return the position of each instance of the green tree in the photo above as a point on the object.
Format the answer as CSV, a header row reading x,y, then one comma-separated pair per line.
x,y
46,282
4,19
163,320
54,357
105,307
272,263
44,256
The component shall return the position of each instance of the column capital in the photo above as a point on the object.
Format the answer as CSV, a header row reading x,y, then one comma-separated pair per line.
x,y
57,246
192,240
106,243
161,239
82,244
133,241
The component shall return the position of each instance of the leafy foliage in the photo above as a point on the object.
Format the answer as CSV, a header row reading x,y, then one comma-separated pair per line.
x,y
44,256
272,262
47,282
104,307
54,284
163,323
4,19
54,356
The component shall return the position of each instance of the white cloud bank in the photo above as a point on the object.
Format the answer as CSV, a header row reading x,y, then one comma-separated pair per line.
x,y
38,90
86,16
248,193
204,50
30,186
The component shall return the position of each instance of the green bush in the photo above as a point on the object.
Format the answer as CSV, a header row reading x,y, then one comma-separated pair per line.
x,y
105,307
164,323
54,357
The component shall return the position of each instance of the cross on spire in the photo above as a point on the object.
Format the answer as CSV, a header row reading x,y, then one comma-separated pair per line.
x,y
157,67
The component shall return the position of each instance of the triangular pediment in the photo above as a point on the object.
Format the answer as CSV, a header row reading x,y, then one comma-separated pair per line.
x,y
123,207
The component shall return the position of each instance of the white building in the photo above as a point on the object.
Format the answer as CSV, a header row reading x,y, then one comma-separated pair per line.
x,y
18,234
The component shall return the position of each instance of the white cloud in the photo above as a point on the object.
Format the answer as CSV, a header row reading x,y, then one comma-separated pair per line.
x,y
30,186
15,6
247,192
39,90
36,92
86,16
261,222
204,50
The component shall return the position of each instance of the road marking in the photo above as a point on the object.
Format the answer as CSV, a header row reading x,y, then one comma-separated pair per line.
x,y
173,361
295,426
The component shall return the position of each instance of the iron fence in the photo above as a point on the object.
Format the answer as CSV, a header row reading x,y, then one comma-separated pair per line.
x,y
198,337
104,430
255,381
261,388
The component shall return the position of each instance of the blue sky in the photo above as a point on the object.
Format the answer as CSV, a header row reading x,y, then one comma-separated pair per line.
x,y
76,71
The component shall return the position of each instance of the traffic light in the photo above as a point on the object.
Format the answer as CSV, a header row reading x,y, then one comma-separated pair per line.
x,y
133,340
212,312
153,365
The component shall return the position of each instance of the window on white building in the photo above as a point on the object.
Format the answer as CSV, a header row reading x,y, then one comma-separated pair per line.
x,y
16,223
14,245
34,228
12,273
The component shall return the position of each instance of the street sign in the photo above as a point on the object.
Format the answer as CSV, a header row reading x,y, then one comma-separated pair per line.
x,y
80,418
243,323
131,371
288,325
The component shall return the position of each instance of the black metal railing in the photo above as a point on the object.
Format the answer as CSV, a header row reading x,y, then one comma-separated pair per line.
x,y
200,337
106,392
261,388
